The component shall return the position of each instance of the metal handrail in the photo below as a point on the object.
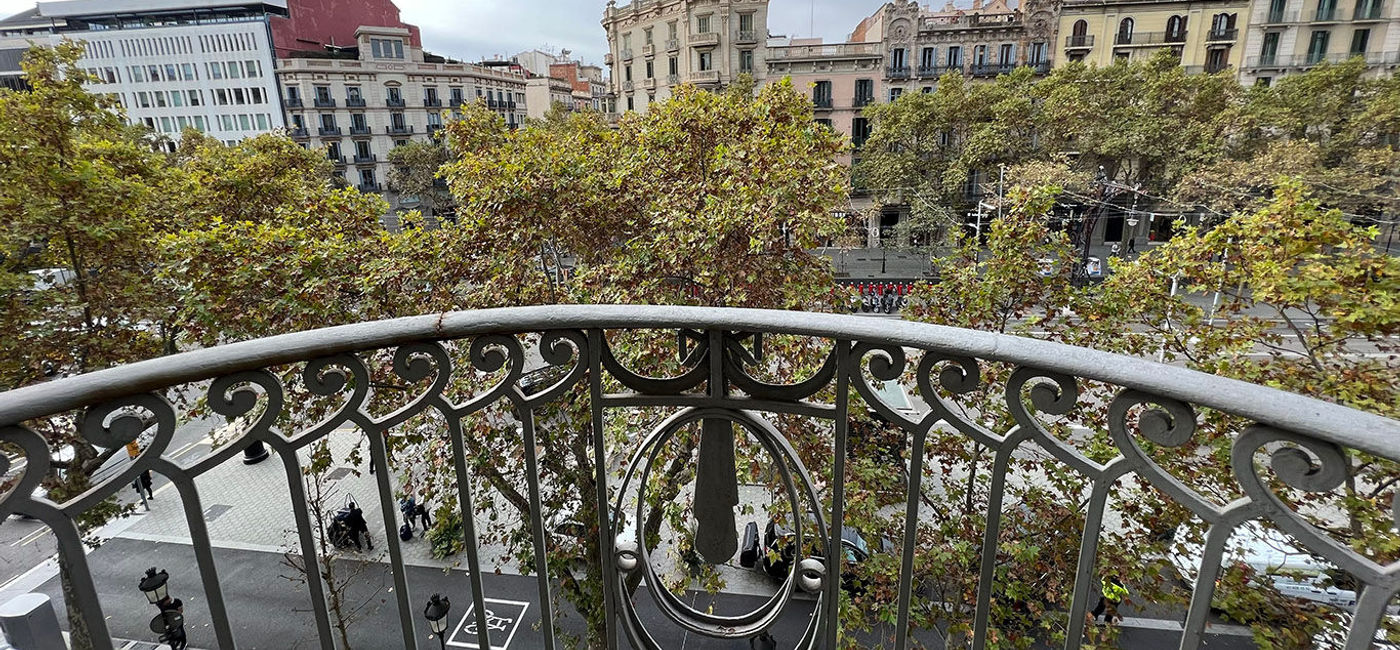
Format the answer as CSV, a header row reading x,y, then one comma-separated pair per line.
x,y
1042,365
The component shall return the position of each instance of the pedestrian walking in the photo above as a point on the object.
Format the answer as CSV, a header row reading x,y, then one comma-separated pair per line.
x,y
407,506
1116,249
1132,245
1113,595
355,521
420,512
143,484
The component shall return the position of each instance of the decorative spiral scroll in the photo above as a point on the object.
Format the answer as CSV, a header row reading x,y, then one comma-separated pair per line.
x,y
697,371
36,456
632,554
1051,393
328,376
886,363
736,358
1306,464
413,363
114,423
233,396
1166,422
559,348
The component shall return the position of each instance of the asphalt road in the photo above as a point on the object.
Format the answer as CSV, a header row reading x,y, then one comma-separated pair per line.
x,y
269,611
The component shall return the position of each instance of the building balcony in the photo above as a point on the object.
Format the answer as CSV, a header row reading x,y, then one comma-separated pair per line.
x,y
649,84
300,133
673,45
1079,42
1209,69
673,79
648,51
432,102
434,129
1304,61
510,105
861,101
324,102
399,130
991,69
932,71
705,39
354,102
626,55
366,160
369,188
897,72
1041,67
1222,35
292,102
394,102
747,37
361,130
464,386
705,77
456,102
329,131
821,103
608,59
338,160
1148,39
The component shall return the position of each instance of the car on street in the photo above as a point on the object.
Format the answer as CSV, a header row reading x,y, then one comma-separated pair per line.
x,y
1274,556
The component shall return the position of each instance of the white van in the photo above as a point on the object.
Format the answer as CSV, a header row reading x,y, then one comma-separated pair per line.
x,y
1294,572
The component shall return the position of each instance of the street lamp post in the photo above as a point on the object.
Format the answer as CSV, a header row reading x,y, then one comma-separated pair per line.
x,y
436,613
170,622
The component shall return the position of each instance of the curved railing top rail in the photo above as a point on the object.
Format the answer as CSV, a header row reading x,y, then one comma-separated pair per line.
x,y
1341,425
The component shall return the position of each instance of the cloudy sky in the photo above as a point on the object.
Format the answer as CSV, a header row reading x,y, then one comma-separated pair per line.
x,y
476,29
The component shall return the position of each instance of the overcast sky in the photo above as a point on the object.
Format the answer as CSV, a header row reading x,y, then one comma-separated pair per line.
x,y
477,29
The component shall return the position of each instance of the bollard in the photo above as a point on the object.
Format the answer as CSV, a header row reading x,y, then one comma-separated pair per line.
x,y
29,622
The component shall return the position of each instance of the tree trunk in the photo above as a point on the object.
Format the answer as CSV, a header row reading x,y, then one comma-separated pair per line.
x,y
80,638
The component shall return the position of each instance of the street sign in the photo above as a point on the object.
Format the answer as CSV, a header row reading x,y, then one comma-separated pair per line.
x,y
503,618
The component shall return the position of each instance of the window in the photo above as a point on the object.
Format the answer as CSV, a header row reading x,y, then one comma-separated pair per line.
x,y
928,59
1359,38
631,106
860,131
821,94
1221,24
1269,51
651,70
165,125
1317,45
1326,9
323,93
352,93
865,91
456,94
430,93
627,73
235,70
647,35
1367,10
1217,59
160,99
1125,31
897,58
357,121
434,119
188,70
895,93
824,122
263,122
245,122
706,60
928,90
1038,54
1006,55
746,61
177,98
627,41
1176,29
239,97
293,93
327,121
702,24
386,48
367,178
298,122
979,55
955,59
1276,8
746,23
396,120
394,93
675,67
171,74
252,69
143,100
1080,33
362,150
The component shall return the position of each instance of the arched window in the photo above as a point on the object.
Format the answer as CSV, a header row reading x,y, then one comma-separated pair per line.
x,y
1081,28
1125,31
1176,28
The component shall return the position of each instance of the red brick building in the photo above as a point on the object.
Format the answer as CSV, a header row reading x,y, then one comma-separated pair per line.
x,y
313,24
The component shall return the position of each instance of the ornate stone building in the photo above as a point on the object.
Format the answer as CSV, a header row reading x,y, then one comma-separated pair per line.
x,y
1205,34
655,45
985,40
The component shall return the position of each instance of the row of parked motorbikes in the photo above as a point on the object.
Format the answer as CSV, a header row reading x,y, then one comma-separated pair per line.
x,y
883,298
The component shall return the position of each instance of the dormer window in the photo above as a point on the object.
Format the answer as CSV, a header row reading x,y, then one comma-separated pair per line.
x,y
386,48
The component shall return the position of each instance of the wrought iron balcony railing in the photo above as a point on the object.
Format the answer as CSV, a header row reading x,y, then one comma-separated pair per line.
x,y
717,380
355,102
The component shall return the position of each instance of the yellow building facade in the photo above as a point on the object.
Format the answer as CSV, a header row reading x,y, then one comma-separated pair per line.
x,y
1208,35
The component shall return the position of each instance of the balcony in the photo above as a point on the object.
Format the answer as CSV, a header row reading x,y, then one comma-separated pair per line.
x,y
1079,42
648,51
897,72
1310,60
1041,67
861,101
395,102
329,131
361,130
338,160
324,102
400,381
705,77
299,133
932,71
991,69
432,102
747,37
1148,39
626,56
649,84
366,160
822,103
434,129
1222,35
705,39
673,45
403,129
1209,69
456,102
354,102
292,102
510,105
673,79
608,59
628,86
369,188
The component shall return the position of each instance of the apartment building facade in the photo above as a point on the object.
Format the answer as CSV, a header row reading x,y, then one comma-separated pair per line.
x,y
656,45
1208,35
203,64
543,93
1290,36
982,41
359,103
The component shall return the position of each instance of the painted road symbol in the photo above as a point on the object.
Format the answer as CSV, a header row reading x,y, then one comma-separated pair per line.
x,y
502,619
